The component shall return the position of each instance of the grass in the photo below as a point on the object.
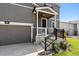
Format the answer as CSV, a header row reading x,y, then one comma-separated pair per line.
x,y
74,48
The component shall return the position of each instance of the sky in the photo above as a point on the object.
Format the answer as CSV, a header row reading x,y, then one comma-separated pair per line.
x,y
69,11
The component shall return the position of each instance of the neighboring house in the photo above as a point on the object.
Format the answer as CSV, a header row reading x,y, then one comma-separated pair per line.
x,y
71,27
76,24
24,22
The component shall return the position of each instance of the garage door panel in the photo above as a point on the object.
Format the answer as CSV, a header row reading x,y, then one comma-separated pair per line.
x,y
15,34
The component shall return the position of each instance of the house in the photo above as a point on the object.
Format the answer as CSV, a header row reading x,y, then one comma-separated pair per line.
x,y
25,22
71,27
76,23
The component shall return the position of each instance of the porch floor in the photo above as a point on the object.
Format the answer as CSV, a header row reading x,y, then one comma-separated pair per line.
x,y
19,49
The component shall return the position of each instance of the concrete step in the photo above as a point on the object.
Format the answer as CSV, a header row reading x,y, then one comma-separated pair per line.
x,y
39,39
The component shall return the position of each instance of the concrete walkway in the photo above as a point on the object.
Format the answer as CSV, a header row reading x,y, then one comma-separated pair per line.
x,y
20,49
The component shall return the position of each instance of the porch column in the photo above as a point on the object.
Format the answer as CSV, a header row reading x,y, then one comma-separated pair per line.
x,y
37,22
55,20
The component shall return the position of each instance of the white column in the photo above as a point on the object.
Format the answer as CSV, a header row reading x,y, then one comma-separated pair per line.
x,y
55,20
46,31
31,33
37,22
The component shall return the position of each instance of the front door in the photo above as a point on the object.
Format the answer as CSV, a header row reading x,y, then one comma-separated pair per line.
x,y
43,22
44,26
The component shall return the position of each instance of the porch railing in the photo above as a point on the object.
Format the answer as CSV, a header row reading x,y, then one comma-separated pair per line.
x,y
44,31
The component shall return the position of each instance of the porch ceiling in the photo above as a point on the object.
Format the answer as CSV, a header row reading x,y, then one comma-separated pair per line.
x,y
45,15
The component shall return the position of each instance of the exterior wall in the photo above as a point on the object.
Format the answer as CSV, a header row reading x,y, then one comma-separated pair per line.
x,y
49,23
64,26
14,13
74,28
71,29
56,7
26,4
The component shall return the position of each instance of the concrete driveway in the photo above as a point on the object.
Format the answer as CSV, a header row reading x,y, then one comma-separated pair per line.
x,y
19,49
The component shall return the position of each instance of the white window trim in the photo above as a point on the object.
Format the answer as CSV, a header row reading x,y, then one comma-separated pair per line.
x,y
19,24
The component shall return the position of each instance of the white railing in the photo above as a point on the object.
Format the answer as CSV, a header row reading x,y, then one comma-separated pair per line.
x,y
44,31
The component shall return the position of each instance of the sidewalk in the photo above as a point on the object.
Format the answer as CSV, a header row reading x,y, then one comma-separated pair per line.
x,y
35,53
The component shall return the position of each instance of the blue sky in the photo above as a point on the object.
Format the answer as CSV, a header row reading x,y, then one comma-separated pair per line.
x,y
69,11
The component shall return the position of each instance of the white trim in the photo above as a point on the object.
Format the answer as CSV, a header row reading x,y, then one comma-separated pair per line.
x,y
55,21
53,11
19,24
49,5
37,21
35,4
16,23
46,12
31,33
21,5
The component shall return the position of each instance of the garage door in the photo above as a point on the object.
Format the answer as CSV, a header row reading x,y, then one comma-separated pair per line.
x,y
14,34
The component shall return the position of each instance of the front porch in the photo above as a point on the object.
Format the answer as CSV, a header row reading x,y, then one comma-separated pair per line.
x,y
45,22
44,31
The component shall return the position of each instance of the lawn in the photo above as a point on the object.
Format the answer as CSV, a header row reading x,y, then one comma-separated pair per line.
x,y
74,48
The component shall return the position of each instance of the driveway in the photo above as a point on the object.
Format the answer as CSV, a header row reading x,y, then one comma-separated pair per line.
x,y
19,49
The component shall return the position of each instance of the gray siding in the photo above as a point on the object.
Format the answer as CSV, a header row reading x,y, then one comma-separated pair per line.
x,y
13,13
26,4
15,34
16,14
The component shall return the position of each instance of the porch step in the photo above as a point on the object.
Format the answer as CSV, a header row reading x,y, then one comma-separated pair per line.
x,y
39,39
